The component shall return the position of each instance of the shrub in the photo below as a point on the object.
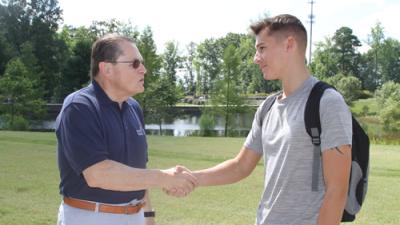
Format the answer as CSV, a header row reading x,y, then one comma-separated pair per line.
x,y
388,97
14,123
207,124
349,86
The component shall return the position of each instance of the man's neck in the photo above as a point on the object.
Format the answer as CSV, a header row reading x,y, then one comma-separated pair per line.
x,y
111,92
294,79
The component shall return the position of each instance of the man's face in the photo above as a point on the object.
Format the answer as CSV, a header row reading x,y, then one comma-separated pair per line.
x,y
128,80
269,55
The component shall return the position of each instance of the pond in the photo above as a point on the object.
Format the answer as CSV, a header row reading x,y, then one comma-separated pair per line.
x,y
184,125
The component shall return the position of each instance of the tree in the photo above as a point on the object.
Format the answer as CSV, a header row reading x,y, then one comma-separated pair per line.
x,y
103,27
19,92
51,52
152,62
171,61
148,50
206,122
388,99
233,39
15,22
226,98
247,68
37,22
348,86
337,55
164,91
345,44
391,60
76,71
208,60
188,62
325,60
6,52
371,77
371,62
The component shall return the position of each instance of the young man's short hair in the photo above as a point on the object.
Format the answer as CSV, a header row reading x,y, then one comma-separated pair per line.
x,y
283,24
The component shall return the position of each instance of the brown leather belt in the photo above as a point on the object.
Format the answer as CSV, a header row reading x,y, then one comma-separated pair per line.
x,y
91,206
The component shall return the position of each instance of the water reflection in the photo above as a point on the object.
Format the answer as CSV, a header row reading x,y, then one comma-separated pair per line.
x,y
186,125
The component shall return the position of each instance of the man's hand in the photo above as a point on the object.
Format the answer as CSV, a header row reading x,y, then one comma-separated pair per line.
x,y
182,192
180,181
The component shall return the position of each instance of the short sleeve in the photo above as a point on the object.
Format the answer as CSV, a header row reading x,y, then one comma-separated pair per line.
x,y
254,140
81,138
336,121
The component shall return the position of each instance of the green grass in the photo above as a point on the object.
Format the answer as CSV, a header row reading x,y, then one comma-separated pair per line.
x,y
29,182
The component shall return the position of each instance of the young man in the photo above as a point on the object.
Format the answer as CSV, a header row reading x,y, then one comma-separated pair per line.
x,y
288,197
102,147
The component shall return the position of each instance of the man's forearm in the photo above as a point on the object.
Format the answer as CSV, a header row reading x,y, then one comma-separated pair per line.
x,y
230,171
332,207
112,175
224,173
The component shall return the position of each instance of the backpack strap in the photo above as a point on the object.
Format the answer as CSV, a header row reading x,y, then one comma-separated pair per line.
x,y
267,104
313,126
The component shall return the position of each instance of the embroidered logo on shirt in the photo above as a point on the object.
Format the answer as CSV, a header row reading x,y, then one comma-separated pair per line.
x,y
141,132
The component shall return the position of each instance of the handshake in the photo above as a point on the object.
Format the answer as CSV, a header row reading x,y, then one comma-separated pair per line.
x,y
179,181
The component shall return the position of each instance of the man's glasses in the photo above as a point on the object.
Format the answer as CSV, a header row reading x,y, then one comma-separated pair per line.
x,y
135,63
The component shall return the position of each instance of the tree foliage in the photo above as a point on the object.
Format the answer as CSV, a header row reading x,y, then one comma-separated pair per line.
x,y
163,93
36,22
348,86
55,62
209,57
391,60
75,72
226,97
19,92
388,97
189,65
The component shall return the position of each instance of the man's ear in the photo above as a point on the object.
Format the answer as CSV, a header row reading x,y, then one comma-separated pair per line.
x,y
104,68
291,44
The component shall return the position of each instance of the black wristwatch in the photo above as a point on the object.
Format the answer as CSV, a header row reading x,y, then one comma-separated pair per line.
x,y
150,214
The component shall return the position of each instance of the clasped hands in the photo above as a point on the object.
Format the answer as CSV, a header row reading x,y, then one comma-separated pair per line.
x,y
180,182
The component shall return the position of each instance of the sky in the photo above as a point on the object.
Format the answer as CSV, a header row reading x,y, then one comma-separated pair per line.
x,y
184,21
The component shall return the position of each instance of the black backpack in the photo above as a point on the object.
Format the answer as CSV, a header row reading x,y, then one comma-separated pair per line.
x,y
358,182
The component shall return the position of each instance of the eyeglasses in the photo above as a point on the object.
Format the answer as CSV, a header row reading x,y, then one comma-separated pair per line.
x,y
135,63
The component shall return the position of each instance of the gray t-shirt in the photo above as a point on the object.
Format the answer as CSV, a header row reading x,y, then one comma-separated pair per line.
x,y
287,198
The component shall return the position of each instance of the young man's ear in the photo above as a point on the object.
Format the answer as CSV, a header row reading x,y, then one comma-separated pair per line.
x,y
291,43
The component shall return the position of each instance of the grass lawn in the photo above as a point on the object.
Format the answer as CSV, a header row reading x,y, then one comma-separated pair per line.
x,y
29,182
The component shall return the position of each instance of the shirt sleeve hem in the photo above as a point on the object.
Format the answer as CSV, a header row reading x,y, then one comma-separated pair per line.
x,y
86,164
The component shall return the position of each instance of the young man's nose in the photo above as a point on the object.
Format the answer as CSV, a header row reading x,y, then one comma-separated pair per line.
x,y
256,58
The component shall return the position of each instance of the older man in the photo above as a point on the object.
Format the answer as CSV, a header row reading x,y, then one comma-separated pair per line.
x,y
102,148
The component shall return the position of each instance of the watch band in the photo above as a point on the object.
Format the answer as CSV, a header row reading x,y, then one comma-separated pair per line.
x,y
150,214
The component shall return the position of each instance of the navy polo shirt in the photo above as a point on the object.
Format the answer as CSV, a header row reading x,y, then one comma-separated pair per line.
x,y
91,128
